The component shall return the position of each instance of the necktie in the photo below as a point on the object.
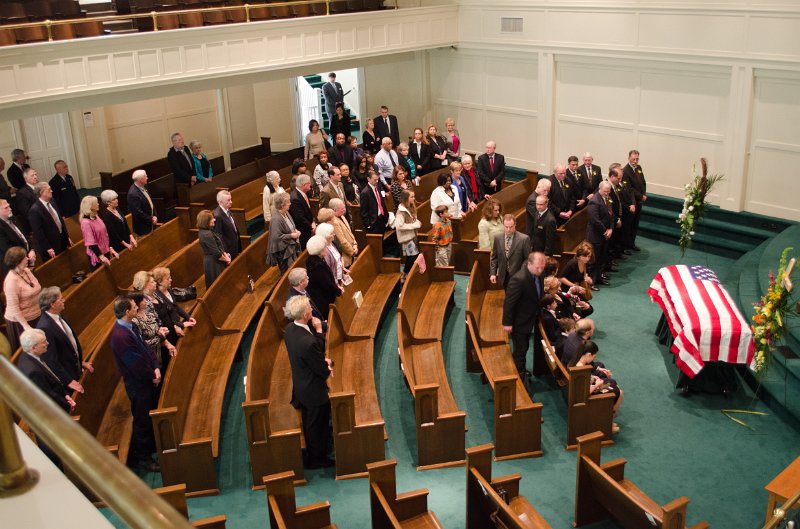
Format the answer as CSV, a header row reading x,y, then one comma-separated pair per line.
x,y
18,232
306,199
388,127
538,285
608,206
147,196
45,366
508,246
491,163
378,198
230,217
55,217
69,334
186,156
391,159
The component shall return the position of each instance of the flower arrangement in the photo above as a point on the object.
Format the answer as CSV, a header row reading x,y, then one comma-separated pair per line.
x,y
694,205
771,311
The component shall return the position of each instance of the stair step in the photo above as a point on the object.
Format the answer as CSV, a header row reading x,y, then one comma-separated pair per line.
x,y
715,245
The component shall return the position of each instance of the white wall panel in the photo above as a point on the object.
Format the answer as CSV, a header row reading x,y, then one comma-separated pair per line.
x,y
691,32
692,102
597,92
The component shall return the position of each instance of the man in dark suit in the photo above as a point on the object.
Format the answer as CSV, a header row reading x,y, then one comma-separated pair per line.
x,y
562,197
300,210
180,160
622,210
491,168
340,153
583,331
11,235
576,182
26,198
18,165
374,215
140,205
333,93
521,309
47,224
298,279
305,344
141,376
386,126
510,249
599,229
590,176
225,226
633,174
5,190
64,354
541,225
64,191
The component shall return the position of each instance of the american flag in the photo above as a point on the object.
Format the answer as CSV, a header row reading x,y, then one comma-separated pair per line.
x,y
706,324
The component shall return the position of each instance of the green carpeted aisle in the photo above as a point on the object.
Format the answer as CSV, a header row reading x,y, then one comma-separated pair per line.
x,y
674,446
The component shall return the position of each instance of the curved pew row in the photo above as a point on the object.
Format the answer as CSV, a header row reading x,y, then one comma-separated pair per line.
x,y
282,505
517,419
391,510
358,426
187,421
420,321
273,426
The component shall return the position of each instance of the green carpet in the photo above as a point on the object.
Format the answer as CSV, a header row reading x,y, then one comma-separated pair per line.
x,y
674,446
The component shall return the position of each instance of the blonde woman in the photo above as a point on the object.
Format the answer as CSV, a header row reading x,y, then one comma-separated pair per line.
x,y
95,234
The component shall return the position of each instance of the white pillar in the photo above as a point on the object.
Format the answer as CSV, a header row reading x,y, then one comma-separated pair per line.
x,y
547,111
740,118
224,125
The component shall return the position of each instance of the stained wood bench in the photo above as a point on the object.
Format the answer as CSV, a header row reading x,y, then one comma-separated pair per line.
x,y
420,321
283,510
570,235
390,510
603,493
496,502
175,495
274,434
205,193
517,419
187,420
586,413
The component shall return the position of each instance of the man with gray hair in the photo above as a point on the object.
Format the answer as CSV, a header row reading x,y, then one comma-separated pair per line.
x,y
225,226
562,195
64,354
140,205
11,235
386,160
300,210
343,231
26,198
47,225
18,165
599,229
180,160
298,279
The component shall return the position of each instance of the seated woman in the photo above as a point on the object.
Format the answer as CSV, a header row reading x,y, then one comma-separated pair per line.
x,y
95,235
569,305
601,377
550,266
322,287
491,224
575,273
202,166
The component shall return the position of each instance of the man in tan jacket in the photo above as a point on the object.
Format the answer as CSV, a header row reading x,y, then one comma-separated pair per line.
x,y
343,232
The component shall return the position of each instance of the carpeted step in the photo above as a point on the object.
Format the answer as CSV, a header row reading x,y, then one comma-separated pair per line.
x,y
717,245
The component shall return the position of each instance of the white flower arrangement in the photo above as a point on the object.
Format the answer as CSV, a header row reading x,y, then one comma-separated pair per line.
x,y
694,203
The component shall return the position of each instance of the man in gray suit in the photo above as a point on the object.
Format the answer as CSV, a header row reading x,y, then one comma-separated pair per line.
x,y
510,251
333,93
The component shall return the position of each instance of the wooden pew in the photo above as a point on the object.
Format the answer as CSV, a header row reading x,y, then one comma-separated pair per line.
x,y
274,434
517,419
586,413
248,154
187,420
205,193
175,495
391,510
283,510
358,427
420,321
278,161
496,502
570,235
603,493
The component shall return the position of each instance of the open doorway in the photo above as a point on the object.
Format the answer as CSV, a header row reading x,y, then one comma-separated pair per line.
x,y
311,101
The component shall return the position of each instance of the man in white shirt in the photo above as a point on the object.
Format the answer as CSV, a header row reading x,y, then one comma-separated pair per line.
x,y
386,160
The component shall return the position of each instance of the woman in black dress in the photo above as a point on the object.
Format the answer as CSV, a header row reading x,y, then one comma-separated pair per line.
x,y
575,272
322,287
602,381
119,234
215,258
172,315
369,140
438,148
340,122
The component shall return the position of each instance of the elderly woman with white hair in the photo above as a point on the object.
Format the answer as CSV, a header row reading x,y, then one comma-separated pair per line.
x,y
283,246
272,189
333,257
471,176
119,234
95,234
322,287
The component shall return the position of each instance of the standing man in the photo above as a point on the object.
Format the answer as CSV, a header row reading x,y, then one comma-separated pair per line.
x,y
491,168
141,376
386,160
622,208
509,251
47,225
542,226
140,205
26,198
576,182
300,210
340,153
65,193
386,126
590,175
180,160
333,93
305,344
599,229
225,226
333,189
562,198
521,310
18,164
374,216
5,190
634,175
11,235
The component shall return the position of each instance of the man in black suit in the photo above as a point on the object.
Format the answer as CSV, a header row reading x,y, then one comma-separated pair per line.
x,y
47,224
541,225
510,249
26,198
333,93
386,126
140,205
576,182
583,331
64,191
633,174
491,168
562,197
590,175
622,210
599,229
5,190
305,344
300,210
521,309
374,215
11,235
18,165
180,160
64,354
340,153
298,279
225,226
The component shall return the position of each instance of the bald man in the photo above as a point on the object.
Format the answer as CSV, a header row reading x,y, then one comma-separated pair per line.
x,y
491,168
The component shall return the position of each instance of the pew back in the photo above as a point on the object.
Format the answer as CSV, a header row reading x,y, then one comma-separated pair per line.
x,y
390,510
283,510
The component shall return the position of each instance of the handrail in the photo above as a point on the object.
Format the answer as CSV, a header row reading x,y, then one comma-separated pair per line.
x,y
127,495
780,513
155,14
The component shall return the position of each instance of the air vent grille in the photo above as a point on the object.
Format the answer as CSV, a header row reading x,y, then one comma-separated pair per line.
x,y
510,25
